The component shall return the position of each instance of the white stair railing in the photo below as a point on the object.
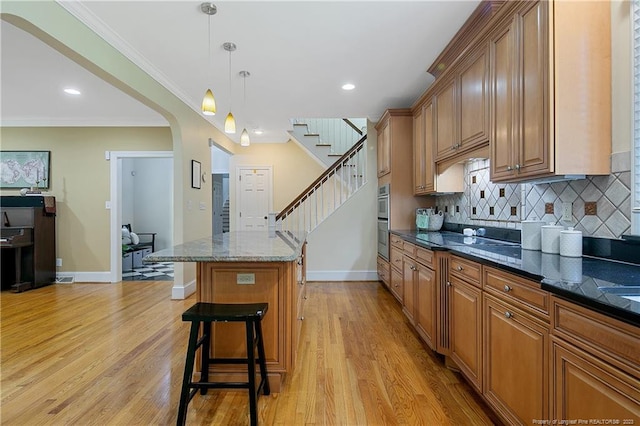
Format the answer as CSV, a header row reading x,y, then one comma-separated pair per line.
x,y
327,193
340,133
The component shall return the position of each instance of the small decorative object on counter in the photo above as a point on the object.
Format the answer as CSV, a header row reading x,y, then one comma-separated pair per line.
x,y
435,221
571,243
422,219
532,234
550,240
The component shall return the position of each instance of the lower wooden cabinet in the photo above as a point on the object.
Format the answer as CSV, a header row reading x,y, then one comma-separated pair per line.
x,y
516,362
409,276
397,285
426,305
383,271
584,387
466,329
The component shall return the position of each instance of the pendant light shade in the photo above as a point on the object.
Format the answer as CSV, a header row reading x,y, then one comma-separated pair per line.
x,y
209,103
230,124
244,138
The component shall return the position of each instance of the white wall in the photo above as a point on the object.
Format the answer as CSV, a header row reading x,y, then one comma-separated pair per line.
x,y
147,197
344,246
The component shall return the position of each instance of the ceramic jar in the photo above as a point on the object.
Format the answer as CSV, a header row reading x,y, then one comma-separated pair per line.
x,y
571,243
550,239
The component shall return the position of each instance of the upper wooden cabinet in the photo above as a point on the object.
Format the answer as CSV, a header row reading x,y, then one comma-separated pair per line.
x,y
384,149
462,107
550,91
423,164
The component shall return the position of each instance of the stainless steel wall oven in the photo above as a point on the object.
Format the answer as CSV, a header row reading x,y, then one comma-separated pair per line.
x,y
383,221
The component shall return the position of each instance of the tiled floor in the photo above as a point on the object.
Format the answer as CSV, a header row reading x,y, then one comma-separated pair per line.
x,y
162,271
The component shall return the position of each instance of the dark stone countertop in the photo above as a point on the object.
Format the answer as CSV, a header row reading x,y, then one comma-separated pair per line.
x,y
596,283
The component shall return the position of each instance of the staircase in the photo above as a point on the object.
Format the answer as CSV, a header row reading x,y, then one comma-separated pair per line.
x,y
328,192
327,139
225,216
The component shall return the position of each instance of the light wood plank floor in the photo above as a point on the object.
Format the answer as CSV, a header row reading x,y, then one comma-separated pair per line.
x,y
113,354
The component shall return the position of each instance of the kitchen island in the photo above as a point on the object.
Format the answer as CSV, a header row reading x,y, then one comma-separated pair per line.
x,y
250,267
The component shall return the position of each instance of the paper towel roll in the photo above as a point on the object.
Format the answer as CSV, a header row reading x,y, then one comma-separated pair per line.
x,y
571,243
550,240
531,234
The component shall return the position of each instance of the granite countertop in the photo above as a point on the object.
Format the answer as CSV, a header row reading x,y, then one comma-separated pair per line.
x,y
242,246
597,283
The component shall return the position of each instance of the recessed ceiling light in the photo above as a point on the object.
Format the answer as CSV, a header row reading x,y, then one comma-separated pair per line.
x,y
258,132
72,91
348,86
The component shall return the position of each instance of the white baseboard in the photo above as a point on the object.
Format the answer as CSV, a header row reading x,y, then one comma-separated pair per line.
x,y
183,291
87,277
342,275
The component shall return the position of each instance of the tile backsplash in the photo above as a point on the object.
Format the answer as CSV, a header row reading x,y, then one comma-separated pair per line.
x,y
601,204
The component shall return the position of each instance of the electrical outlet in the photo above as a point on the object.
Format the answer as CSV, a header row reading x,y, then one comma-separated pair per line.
x,y
59,261
567,212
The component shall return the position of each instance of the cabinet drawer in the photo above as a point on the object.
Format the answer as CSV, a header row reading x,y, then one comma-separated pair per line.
x,y
396,258
615,341
466,269
396,241
509,287
424,256
383,271
409,249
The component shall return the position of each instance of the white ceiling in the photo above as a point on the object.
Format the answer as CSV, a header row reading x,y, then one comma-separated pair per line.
x,y
299,53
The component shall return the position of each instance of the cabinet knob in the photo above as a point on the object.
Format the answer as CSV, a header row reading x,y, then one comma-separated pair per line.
x,y
301,318
448,283
517,166
459,268
509,168
508,314
413,268
507,288
305,297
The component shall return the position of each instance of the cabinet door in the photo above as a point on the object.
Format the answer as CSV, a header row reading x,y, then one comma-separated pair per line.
x,y
419,156
384,150
516,362
409,278
445,113
429,159
474,100
502,64
584,387
466,330
533,148
426,310
396,284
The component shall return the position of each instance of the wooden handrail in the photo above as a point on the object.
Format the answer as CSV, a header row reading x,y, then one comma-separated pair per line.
x,y
327,173
353,126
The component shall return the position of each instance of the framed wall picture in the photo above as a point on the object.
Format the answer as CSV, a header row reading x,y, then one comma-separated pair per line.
x,y
25,169
195,174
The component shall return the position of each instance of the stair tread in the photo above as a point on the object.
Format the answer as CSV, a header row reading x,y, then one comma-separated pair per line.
x,y
312,134
335,155
323,144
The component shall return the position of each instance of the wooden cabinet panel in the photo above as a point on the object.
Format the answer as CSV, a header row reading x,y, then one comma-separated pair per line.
x,y
396,241
429,140
396,258
516,362
525,293
383,271
426,305
584,387
409,269
466,330
445,120
466,269
425,257
397,284
419,154
474,100
384,150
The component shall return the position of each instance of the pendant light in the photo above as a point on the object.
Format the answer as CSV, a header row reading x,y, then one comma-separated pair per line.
x,y
209,102
244,136
229,122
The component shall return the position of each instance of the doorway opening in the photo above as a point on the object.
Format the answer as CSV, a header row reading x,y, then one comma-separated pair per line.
x,y
219,189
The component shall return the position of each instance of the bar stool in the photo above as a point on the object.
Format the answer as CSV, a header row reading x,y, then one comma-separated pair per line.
x,y
206,313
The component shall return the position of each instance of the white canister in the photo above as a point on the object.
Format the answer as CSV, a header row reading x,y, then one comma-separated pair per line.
x,y
571,243
531,234
550,238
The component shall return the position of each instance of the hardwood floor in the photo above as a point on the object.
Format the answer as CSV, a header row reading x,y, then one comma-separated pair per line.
x,y
113,354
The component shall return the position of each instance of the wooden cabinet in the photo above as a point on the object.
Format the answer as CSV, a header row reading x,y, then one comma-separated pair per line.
x,y
409,276
384,150
465,305
462,106
420,155
516,362
397,284
383,271
545,120
426,305
585,387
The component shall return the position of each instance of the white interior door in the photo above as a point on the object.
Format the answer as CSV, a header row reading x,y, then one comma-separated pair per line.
x,y
254,195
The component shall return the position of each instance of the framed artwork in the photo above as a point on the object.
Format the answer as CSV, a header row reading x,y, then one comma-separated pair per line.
x,y
195,174
25,169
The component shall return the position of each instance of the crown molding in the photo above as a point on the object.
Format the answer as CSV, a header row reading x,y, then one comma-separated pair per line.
x,y
97,25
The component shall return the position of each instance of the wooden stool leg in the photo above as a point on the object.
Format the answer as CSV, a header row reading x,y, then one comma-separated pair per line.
x,y
205,354
262,359
188,372
251,371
